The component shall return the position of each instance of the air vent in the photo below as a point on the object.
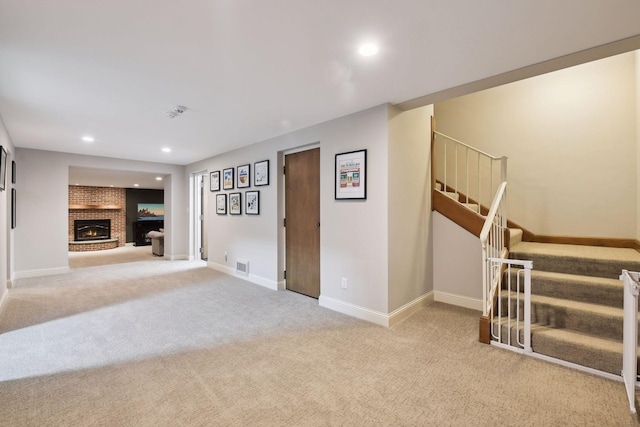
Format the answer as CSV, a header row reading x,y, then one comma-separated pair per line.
x,y
242,266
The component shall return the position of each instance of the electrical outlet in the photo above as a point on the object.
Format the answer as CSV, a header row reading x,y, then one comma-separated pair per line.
x,y
344,283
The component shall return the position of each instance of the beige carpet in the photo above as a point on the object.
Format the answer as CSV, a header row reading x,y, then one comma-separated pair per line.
x,y
177,344
117,255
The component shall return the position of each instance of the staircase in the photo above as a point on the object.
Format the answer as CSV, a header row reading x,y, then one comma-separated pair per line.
x,y
577,301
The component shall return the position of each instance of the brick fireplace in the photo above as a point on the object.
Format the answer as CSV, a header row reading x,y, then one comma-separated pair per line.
x,y
97,203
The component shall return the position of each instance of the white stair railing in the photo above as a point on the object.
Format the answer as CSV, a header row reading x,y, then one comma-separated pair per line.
x,y
461,168
630,335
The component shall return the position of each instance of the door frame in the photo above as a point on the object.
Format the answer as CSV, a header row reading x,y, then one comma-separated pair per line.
x,y
282,249
195,235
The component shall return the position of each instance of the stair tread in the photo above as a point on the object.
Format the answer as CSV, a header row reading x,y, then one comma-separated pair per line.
x,y
578,305
578,251
577,278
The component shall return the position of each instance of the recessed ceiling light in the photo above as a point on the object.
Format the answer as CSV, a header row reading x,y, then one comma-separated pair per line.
x,y
368,49
88,138
136,185
166,149
158,178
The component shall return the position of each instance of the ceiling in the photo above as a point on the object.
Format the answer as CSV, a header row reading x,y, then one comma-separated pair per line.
x,y
249,70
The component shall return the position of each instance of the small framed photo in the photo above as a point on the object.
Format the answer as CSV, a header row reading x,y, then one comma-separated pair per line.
x,y
244,176
227,179
235,203
13,171
214,181
261,173
13,208
351,175
221,204
253,202
3,167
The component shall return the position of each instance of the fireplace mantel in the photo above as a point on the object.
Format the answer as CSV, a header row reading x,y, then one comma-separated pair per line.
x,y
77,207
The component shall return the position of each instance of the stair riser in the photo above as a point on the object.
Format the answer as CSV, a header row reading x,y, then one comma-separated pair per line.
x,y
604,293
569,265
602,360
554,316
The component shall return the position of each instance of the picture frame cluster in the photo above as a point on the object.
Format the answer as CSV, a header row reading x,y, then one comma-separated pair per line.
x,y
239,177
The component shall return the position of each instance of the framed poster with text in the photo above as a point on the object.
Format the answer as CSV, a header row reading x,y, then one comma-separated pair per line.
x,y
351,175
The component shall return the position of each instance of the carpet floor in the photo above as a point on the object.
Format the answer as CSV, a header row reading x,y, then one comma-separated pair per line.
x,y
152,343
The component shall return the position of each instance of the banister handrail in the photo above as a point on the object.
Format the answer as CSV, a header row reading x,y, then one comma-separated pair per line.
x,y
495,205
469,147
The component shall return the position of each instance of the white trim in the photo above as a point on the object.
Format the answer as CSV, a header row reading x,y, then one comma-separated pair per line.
x,y
353,310
282,286
258,280
409,308
178,257
374,316
299,149
459,300
39,273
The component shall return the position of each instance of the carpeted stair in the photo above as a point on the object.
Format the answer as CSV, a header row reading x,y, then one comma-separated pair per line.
x,y
576,301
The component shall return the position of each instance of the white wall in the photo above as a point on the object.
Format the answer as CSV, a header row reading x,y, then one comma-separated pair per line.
x,y
636,114
457,266
41,238
410,255
6,233
355,238
571,139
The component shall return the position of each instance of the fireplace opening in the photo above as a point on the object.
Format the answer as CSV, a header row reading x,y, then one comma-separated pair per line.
x,y
92,229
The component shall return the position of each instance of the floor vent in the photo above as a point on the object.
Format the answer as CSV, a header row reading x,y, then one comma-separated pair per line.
x,y
242,266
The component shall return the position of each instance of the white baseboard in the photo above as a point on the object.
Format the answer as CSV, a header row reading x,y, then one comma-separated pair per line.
x,y
178,257
460,301
374,316
258,280
409,308
39,273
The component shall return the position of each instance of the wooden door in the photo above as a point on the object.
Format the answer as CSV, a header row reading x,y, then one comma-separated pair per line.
x,y
302,212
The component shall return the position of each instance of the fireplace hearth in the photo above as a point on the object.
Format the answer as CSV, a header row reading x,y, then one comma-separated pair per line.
x,y
91,229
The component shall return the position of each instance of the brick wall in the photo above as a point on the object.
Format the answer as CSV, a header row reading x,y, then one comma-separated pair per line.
x,y
79,195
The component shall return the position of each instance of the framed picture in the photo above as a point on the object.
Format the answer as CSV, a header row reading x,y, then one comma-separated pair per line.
x,y
214,181
13,208
3,168
13,171
227,179
253,202
351,175
244,176
261,173
235,203
221,204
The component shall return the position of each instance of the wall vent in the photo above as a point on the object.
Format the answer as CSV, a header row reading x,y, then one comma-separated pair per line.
x,y
242,266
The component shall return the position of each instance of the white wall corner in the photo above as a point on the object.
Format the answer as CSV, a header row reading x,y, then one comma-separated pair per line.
x,y
460,301
411,307
25,274
258,280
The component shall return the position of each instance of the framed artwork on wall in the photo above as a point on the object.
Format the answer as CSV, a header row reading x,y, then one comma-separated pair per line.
x,y
253,202
3,168
221,204
351,175
261,173
244,176
13,171
13,208
227,179
214,181
235,203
